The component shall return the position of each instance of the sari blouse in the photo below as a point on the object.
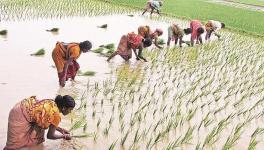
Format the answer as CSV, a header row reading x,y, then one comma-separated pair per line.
x,y
43,113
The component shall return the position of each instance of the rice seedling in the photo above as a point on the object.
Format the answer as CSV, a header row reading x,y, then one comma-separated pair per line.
x,y
40,52
98,50
87,73
252,144
109,46
82,135
174,144
123,139
188,136
106,130
78,124
95,136
112,146
232,139
157,139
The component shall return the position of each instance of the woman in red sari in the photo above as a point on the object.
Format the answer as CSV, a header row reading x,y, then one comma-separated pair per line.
x,y
197,30
129,42
29,118
65,55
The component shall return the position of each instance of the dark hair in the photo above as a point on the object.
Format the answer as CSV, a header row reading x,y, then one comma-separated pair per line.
x,y
200,30
86,45
147,42
64,101
222,25
187,30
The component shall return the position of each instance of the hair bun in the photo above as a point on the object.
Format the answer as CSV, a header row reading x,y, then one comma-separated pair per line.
x,y
59,99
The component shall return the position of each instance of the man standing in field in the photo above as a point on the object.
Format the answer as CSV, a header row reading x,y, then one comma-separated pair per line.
x,y
211,27
197,30
153,5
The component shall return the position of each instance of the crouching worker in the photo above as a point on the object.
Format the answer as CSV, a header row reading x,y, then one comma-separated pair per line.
x,y
29,119
197,31
213,26
65,57
153,5
129,42
145,32
175,32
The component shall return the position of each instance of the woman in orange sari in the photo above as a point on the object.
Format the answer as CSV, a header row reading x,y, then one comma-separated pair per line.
x,y
29,118
129,42
65,55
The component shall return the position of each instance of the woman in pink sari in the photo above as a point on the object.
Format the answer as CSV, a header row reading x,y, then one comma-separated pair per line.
x,y
29,118
197,30
129,42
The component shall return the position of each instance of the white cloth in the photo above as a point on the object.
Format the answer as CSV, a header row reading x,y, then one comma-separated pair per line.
x,y
216,24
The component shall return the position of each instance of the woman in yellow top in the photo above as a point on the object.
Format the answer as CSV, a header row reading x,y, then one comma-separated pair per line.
x,y
29,118
65,55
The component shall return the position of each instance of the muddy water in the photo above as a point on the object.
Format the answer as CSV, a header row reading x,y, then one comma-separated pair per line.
x,y
23,75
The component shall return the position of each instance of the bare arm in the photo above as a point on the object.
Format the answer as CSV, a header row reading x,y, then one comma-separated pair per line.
x,y
200,39
62,131
192,41
140,49
113,55
158,12
168,42
52,135
135,52
181,41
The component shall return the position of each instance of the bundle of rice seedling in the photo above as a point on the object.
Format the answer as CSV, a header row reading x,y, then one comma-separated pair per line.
x,y
161,42
3,32
53,30
87,73
102,26
98,50
39,52
110,46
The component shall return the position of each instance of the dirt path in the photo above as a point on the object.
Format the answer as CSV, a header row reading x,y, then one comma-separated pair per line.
x,y
240,4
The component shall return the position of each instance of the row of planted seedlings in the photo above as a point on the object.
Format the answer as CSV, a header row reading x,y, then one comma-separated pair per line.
x,y
206,97
32,9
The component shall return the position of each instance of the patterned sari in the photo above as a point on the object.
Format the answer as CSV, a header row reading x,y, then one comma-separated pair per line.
x,y
28,120
60,56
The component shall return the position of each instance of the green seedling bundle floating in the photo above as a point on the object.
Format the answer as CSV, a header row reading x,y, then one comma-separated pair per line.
x,y
53,30
40,52
3,32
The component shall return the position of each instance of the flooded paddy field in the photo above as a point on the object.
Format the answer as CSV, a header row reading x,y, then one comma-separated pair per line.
x,y
202,97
